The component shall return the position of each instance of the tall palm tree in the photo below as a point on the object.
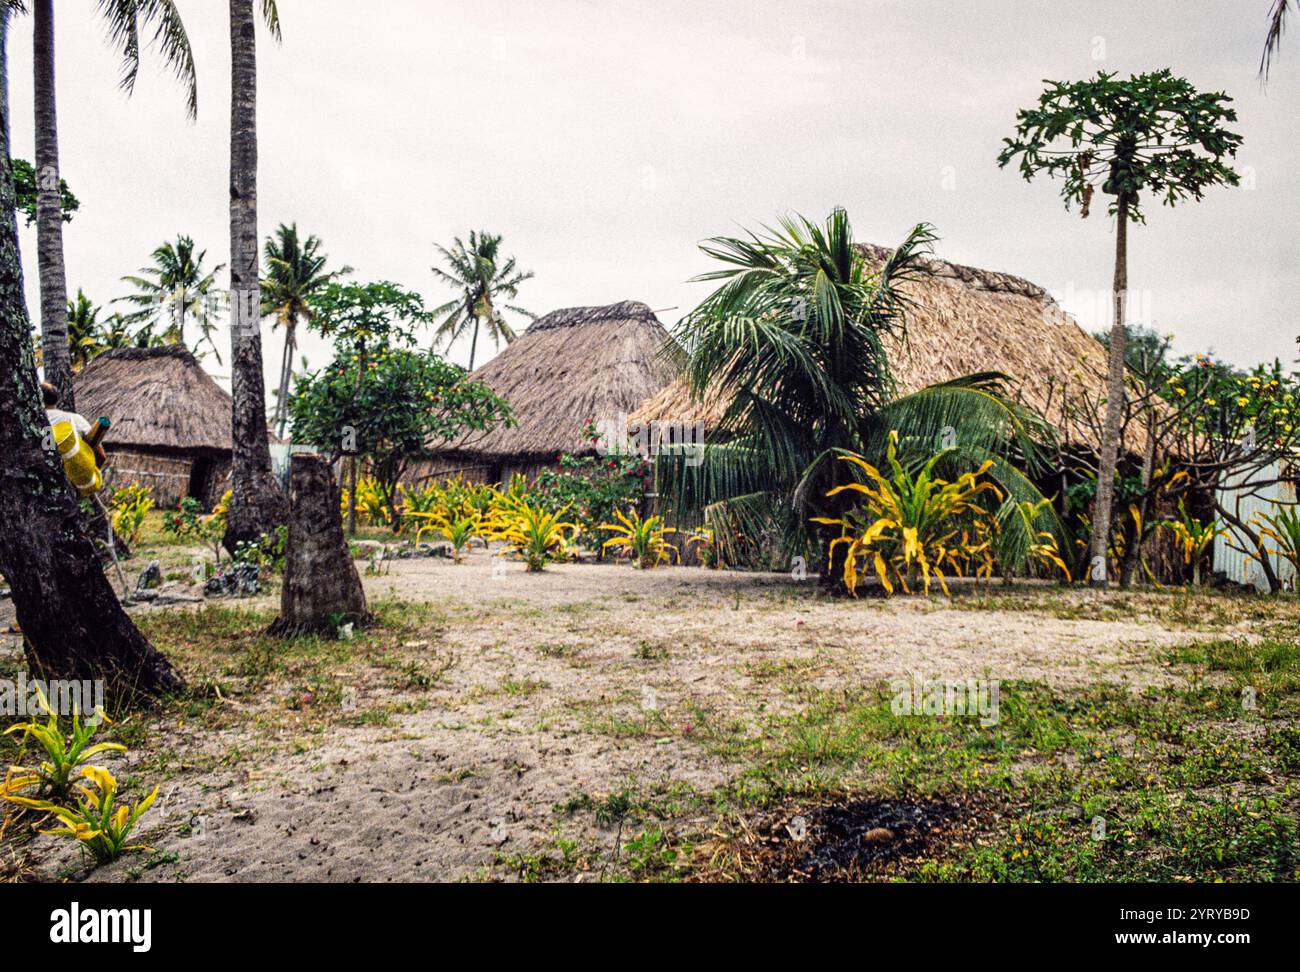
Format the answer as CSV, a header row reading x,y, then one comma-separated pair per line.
x,y
175,290
124,18
257,505
794,338
474,270
295,273
1273,42
73,625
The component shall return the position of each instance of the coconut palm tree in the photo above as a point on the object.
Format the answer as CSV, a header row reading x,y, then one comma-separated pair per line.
x,y
1276,25
258,505
795,340
174,291
73,625
124,19
484,283
295,272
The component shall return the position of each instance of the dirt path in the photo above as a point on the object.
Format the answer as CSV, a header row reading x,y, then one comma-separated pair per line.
x,y
561,689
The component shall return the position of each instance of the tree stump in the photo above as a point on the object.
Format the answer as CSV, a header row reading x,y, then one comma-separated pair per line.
x,y
322,589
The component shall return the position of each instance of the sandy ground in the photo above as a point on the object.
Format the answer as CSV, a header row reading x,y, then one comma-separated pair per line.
x,y
584,680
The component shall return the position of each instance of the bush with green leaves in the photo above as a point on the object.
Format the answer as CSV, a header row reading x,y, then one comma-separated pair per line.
x,y
393,407
592,488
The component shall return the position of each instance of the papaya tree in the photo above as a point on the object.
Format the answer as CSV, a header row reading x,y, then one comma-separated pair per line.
x,y
1150,136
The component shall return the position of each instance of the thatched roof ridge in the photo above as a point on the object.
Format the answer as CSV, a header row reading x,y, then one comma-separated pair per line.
x,y
993,281
627,310
572,365
156,398
962,320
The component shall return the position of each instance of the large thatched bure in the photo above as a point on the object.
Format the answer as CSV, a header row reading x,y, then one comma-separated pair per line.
x,y
962,320
567,368
171,422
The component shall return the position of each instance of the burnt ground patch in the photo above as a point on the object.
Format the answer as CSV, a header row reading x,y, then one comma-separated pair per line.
x,y
846,839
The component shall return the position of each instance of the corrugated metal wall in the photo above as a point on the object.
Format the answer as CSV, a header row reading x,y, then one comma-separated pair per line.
x,y
1228,558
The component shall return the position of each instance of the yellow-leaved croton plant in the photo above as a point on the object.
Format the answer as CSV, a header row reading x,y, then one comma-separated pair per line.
x,y
913,526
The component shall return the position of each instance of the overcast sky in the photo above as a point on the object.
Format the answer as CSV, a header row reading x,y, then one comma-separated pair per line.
x,y
606,139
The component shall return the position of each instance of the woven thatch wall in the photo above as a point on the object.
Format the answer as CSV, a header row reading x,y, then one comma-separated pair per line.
x,y
166,477
571,366
449,467
171,477
156,398
962,320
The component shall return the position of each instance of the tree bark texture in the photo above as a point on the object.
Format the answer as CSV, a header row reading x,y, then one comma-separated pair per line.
x,y
1114,405
257,504
322,588
49,211
73,625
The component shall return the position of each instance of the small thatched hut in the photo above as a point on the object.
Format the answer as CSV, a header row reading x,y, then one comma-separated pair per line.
x,y
568,368
171,421
963,320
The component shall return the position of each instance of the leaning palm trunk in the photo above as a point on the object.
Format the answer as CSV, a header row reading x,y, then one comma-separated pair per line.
x,y
257,505
473,345
286,376
73,626
1114,405
49,211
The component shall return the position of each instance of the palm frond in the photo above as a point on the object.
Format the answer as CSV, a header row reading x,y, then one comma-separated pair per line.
x,y
124,18
1277,17
271,17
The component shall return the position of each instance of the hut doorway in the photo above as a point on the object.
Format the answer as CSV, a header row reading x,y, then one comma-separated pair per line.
x,y
201,479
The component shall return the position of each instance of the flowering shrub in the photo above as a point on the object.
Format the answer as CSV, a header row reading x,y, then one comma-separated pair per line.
x,y
593,488
128,507
188,520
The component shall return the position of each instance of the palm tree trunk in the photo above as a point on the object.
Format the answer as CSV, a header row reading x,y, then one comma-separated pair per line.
x,y
473,345
257,504
1114,404
49,210
4,68
286,368
72,623
178,317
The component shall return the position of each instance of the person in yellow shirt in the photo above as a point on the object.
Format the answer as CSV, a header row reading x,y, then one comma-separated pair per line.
x,y
55,415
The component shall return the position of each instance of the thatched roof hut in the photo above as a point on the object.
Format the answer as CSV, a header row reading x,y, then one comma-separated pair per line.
x,y
963,320
171,421
568,368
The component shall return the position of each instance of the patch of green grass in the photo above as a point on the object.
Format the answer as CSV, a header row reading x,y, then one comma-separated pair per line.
x,y
522,687
1177,774
652,855
647,650
554,649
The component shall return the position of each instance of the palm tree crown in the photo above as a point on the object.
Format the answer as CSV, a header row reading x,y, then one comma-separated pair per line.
x,y
295,272
175,290
794,338
83,329
484,282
